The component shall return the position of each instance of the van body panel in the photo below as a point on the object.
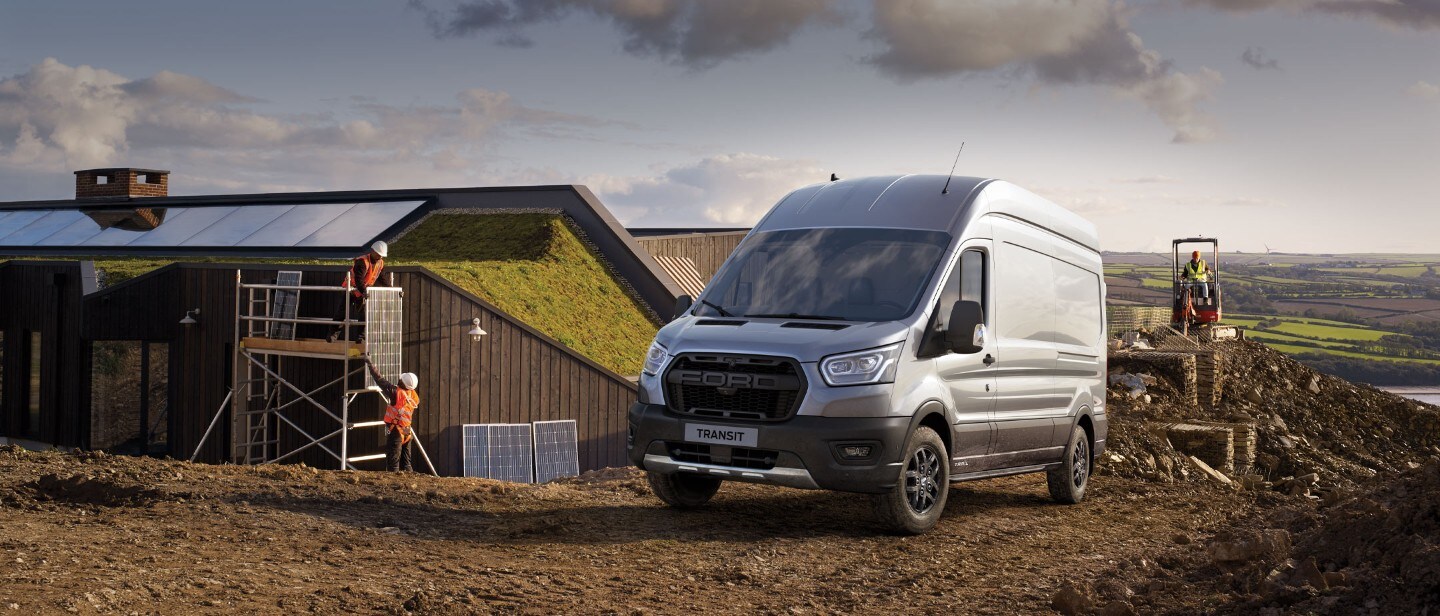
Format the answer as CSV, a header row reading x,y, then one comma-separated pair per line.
x,y
1011,407
897,202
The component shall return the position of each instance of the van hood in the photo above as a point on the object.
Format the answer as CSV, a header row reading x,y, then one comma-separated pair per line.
x,y
796,338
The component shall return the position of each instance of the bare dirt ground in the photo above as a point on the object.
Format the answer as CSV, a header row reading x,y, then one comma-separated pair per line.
x,y
104,534
1345,521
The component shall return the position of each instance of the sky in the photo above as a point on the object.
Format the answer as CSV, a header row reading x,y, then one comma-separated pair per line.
x,y
1294,125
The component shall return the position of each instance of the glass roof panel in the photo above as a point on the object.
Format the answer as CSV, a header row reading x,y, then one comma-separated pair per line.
x,y
113,236
45,226
240,224
76,232
181,224
358,225
296,225
320,225
17,220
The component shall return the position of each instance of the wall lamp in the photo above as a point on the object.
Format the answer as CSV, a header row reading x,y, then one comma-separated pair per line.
x,y
475,332
189,319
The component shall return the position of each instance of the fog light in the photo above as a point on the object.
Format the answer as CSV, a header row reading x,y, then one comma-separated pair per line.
x,y
855,451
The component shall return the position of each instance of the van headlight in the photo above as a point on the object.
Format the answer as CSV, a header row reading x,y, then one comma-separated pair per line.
x,y
866,367
654,359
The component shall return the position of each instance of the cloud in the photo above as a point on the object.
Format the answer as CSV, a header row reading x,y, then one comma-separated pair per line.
x,y
695,33
1254,57
1148,179
56,118
722,190
1424,90
1076,42
1411,14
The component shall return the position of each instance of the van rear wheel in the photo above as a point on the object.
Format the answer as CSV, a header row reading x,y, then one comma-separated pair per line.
x,y
914,505
1068,481
682,490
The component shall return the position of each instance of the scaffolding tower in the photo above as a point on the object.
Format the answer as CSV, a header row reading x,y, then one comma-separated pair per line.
x,y
265,405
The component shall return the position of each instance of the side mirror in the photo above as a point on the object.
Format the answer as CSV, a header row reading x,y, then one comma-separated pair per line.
x,y
966,333
682,306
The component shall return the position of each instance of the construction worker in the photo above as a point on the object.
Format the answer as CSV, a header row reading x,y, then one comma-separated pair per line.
x,y
364,273
1196,274
400,404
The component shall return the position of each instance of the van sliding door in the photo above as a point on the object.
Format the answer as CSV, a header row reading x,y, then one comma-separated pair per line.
x,y
1028,401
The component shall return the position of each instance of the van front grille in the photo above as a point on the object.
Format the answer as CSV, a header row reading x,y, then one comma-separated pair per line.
x,y
734,387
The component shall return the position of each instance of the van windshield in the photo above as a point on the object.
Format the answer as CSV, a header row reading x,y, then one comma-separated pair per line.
x,y
850,274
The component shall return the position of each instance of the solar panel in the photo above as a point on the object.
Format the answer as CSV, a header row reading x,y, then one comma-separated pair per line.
x,y
338,225
283,304
557,450
498,451
383,324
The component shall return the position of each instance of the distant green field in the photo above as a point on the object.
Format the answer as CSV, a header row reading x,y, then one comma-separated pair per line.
x,y
1275,280
1330,337
1294,349
1268,338
1368,281
1321,332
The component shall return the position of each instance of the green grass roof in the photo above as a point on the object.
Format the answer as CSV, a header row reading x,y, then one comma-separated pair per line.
x,y
533,266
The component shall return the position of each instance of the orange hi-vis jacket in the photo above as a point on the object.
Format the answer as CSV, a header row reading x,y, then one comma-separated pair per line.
x,y
369,273
399,414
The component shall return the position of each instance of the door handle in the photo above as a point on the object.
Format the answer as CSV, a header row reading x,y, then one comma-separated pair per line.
x,y
989,359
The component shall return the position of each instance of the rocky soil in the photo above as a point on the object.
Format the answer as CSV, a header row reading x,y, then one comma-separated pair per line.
x,y
94,533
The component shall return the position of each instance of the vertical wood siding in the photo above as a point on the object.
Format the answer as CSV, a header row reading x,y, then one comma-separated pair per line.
x,y
707,250
45,297
513,375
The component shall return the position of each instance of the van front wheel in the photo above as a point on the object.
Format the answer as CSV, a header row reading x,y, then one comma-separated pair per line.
x,y
683,491
914,505
1069,480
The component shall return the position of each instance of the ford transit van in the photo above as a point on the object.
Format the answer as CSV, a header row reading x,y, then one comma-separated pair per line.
x,y
885,335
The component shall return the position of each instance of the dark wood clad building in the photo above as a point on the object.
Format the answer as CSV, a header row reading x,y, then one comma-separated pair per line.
x,y
44,361
55,320
514,374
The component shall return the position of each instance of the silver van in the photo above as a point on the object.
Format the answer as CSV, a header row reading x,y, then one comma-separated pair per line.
x,y
885,335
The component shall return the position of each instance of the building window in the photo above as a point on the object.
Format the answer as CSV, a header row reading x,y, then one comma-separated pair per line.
x,y
102,179
32,393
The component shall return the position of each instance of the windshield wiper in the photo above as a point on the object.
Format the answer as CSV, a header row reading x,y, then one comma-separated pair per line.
x,y
796,315
718,309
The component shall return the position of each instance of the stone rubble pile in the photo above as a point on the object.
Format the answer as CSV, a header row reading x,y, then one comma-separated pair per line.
x,y
1272,423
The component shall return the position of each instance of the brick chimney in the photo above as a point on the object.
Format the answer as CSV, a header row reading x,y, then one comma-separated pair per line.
x,y
121,183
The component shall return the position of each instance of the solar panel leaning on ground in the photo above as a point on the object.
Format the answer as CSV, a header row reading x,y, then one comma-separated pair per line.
x,y
283,304
383,323
498,451
311,225
557,450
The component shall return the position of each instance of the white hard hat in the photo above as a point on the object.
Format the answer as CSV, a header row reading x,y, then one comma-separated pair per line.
x,y
381,248
409,380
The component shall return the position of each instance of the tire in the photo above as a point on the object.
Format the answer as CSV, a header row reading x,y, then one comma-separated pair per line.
x,y
1068,481
914,505
683,491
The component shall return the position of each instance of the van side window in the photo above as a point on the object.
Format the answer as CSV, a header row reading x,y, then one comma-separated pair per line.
x,y
972,279
966,283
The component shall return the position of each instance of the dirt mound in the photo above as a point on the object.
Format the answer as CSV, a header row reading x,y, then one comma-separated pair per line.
x,y
89,490
1384,546
1310,422
1304,422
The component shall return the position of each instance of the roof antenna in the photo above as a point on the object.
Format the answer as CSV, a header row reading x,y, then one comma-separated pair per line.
x,y
834,178
946,190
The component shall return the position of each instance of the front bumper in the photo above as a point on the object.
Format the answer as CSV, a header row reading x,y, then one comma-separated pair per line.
x,y
805,449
